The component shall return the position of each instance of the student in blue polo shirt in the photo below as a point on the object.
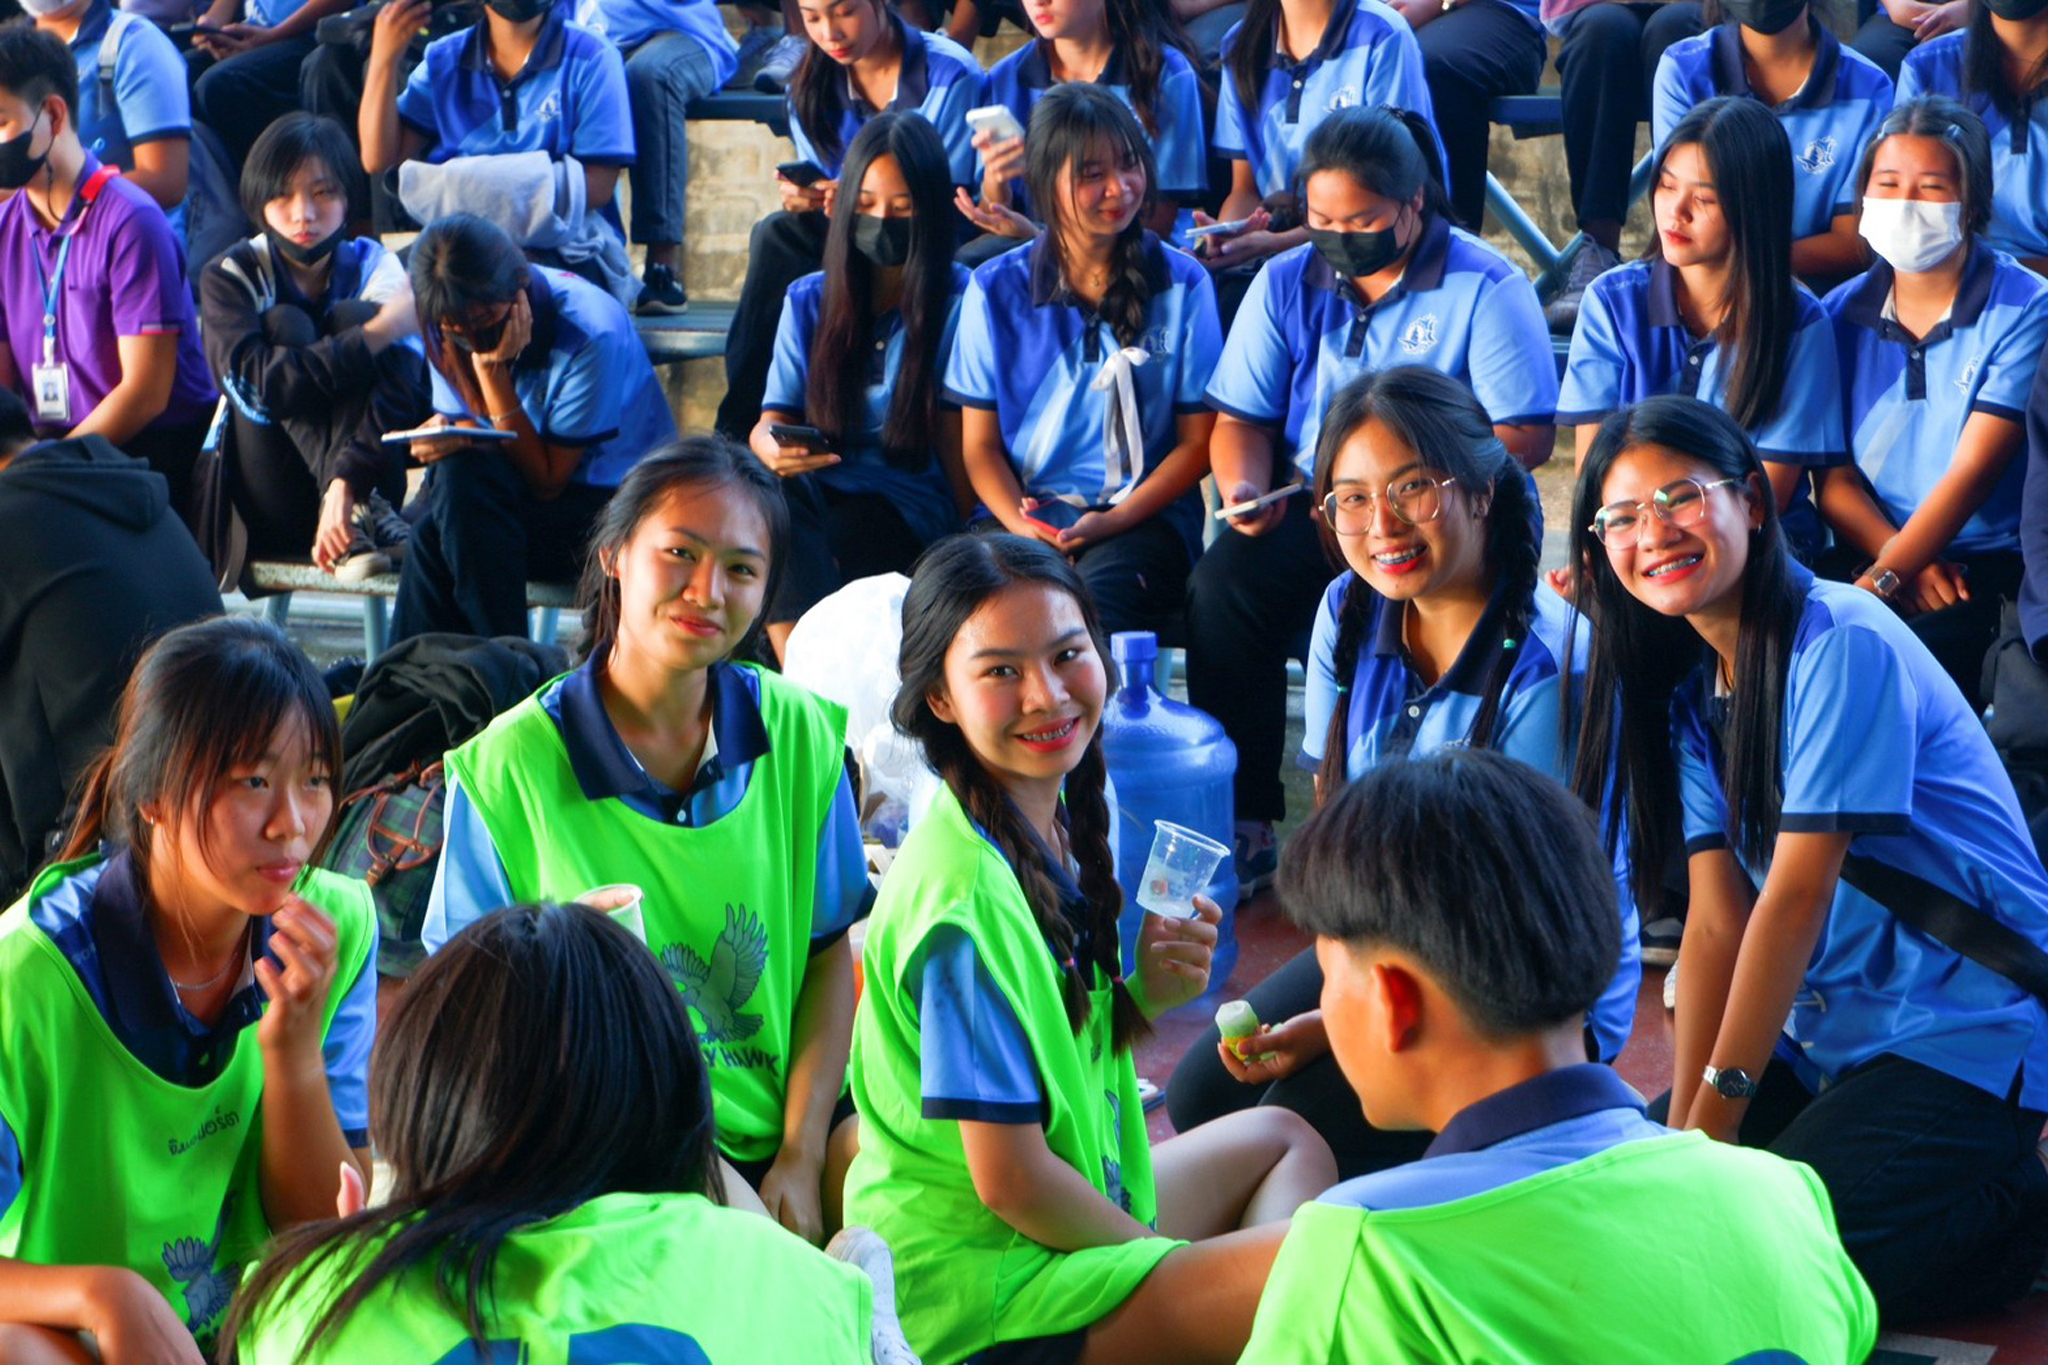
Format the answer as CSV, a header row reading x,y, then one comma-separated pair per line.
x,y
860,357
1829,98
1386,281
1975,68
1128,48
1080,363
141,121
1714,313
1849,1013
1460,913
1440,634
554,362
675,50
714,787
521,79
1282,74
861,60
1938,343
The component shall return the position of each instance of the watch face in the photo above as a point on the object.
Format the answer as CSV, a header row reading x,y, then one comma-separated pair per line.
x,y
1733,1082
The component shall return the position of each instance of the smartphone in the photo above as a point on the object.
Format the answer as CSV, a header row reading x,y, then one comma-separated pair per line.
x,y
996,120
393,438
802,174
1238,509
803,438
1219,229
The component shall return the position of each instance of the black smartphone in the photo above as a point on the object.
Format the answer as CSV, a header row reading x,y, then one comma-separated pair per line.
x,y
802,174
803,438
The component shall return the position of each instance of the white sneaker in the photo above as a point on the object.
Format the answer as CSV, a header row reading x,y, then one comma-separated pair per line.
x,y
864,1249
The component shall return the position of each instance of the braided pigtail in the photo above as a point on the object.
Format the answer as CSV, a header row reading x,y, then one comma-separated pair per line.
x,y
1513,549
1352,614
1088,827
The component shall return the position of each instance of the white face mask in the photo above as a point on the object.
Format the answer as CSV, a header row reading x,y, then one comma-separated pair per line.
x,y
42,8
1912,234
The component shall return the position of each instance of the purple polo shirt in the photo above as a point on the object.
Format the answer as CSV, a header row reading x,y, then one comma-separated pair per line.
x,y
124,276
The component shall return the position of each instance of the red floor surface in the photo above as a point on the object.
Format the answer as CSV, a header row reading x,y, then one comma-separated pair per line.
x,y
1265,940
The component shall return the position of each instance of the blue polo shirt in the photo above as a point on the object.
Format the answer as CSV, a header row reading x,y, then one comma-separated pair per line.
x,y
1180,145
1368,56
1880,745
629,23
1828,120
1460,307
939,79
1394,714
470,881
271,13
583,380
1906,400
148,100
96,919
1027,352
2019,170
568,100
923,496
1631,344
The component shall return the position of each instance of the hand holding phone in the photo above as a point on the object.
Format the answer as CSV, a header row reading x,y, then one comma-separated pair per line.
x,y
996,121
802,174
1232,511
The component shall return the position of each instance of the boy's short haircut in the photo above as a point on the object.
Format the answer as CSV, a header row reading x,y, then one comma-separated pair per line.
x,y
1488,873
286,145
35,65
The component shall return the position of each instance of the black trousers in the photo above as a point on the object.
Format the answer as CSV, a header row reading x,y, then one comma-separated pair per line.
x,y
1605,68
1479,51
484,537
835,538
1137,579
783,249
1939,1196
239,97
1251,603
1202,1090
1884,42
172,450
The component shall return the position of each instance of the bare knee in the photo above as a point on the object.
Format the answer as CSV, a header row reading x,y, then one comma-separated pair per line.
x,y
21,1344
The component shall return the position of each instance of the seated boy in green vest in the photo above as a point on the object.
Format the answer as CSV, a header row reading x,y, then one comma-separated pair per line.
x,y
1464,917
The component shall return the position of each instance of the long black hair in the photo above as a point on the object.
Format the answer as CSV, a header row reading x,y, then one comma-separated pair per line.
x,y
817,89
539,1060
952,580
1142,31
1957,129
1638,656
694,461
1750,158
1389,151
1436,417
461,265
835,394
1984,67
1070,123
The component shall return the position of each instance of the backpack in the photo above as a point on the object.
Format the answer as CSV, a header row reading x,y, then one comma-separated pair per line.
x,y
213,207
421,698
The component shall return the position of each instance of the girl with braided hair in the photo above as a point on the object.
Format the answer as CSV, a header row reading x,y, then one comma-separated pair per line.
x,y
1439,635
1003,1148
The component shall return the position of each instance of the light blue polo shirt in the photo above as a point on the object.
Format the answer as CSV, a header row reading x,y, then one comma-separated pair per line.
x,y
1828,120
1368,57
1393,714
923,496
568,100
629,23
1460,307
149,100
1906,401
470,880
1027,353
939,79
1180,144
1880,745
584,379
271,13
2019,174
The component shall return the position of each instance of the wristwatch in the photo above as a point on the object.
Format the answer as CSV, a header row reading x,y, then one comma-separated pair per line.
x,y
1885,582
1730,1082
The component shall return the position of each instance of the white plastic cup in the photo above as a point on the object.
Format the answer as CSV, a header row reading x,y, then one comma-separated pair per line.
x,y
1181,863
620,900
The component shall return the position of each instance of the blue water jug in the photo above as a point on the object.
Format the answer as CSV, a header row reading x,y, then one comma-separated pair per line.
x,y
1169,762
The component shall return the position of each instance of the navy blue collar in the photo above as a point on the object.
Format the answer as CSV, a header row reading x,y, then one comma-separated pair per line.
x,y
1047,285
1425,266
344,281
547,51
139,990
1468,672
605,767
92,26
1661,308
1568,1093
1074,906
1034,72
1725,64
913,75
1865,305
1331,43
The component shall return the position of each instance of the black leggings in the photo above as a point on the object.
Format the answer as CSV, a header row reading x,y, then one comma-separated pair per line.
x,y
835,538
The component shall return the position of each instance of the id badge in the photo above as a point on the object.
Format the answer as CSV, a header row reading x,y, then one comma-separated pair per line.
x,y
53,393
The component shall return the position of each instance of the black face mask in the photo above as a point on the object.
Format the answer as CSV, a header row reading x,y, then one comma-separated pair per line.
x,y
308,255
17,167
2016,9
486,339
1356,254
519,11
884,241
1765,16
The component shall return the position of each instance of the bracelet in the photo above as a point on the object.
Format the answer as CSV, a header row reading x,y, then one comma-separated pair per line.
x,y
503,420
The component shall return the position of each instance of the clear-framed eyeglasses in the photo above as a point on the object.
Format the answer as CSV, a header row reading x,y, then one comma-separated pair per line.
x,y
1682,502
1415,497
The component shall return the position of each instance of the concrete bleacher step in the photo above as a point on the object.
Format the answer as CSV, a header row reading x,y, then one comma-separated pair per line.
x,y
686,336
278,580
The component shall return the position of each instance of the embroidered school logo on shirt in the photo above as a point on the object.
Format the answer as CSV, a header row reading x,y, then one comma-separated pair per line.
x,y
1344,97
1818,156
717,989
1968,378
550,108
1420,335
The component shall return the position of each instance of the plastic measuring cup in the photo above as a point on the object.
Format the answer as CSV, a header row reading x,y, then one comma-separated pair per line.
x,y
1181,863
620,900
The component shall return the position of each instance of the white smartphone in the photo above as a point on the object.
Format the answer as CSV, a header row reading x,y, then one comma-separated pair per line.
x,y
1238,509
996,120
1219,229
392,438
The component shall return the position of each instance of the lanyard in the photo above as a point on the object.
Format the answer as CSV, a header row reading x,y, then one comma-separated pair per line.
x,y
53,281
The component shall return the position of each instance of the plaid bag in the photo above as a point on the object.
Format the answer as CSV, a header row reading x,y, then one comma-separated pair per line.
x,y
389,835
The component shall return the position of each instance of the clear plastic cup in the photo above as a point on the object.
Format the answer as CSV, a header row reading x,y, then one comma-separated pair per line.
x,y
620,900
1181,863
